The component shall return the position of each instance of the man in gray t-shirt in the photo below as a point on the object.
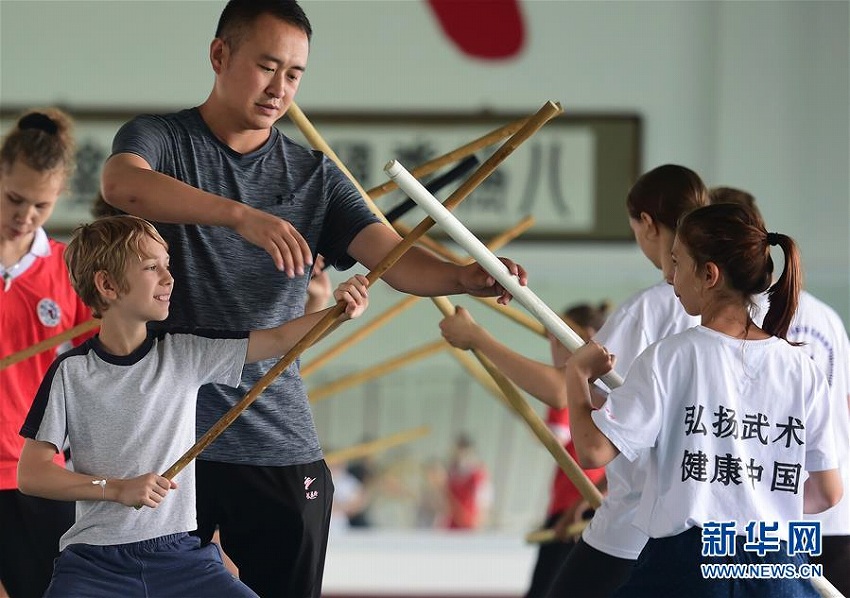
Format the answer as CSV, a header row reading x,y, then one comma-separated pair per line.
x,y
234,189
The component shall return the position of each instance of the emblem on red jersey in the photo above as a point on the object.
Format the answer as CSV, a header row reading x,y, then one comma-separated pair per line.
x,y
49,312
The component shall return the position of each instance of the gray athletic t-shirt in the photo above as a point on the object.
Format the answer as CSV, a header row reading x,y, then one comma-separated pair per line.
x,y
125,416
224,282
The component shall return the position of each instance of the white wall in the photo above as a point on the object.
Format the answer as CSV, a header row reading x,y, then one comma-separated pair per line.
x,y
749,94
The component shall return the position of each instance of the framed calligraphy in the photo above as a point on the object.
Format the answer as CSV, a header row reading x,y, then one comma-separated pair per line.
x,y
572,175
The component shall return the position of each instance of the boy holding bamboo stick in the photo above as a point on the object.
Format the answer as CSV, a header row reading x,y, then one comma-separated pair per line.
x,y
125,400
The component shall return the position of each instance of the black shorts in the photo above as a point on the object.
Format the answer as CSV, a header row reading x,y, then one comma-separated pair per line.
x,y
835,559
589,572
273,522
550,556
30,529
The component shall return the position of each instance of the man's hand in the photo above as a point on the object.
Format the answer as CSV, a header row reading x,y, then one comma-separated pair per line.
x,y
478,282
278,237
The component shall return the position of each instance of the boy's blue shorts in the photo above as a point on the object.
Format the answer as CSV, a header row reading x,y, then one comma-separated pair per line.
x,y
174,565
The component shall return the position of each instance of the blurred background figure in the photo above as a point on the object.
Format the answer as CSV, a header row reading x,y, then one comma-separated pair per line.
x,y
364,471
468,489
432,508
349,497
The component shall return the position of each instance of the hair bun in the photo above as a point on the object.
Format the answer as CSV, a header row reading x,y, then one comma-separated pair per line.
x,y
38,121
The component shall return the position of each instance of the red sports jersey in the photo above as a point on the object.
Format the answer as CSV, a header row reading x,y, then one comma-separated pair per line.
x,y
564,492
38,304
466,488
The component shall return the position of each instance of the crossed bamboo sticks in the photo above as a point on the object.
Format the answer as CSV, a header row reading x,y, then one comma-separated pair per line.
x,y
512,394
548,111
519,131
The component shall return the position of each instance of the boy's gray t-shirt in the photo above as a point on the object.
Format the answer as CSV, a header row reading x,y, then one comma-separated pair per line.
x,y
224,282
125,416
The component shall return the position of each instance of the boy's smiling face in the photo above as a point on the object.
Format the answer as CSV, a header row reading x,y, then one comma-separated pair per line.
x,y
149,283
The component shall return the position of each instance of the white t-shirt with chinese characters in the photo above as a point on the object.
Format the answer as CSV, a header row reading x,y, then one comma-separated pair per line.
x,y
732,426
821,329
645,318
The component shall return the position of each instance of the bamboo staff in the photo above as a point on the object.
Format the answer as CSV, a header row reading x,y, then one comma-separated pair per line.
x,y
570,339
49,343
527,128
534,123
358,335
375,446
588,490
376,371
495,244
544,536
463,151
565,461
317,142
480,375
511,313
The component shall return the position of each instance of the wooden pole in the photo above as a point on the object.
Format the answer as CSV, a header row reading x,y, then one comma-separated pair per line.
x,y
49,343
360,334
453,156
548,111
376,371
544,536
373,325
564,460
358,451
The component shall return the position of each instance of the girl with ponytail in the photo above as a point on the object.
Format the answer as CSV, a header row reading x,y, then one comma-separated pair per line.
x,y
728,417
36,302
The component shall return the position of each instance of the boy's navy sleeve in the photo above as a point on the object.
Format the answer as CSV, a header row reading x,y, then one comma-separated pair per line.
x,y
49,395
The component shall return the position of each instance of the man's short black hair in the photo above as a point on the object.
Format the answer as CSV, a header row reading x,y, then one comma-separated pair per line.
x,y
238,15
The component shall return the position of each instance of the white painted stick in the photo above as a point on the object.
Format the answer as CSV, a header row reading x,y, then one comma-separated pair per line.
x,y
457,231
825,588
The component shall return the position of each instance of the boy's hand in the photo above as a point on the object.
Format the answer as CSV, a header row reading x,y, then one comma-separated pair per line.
x,y
459,329
355,294
592,360
479,283
146,490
